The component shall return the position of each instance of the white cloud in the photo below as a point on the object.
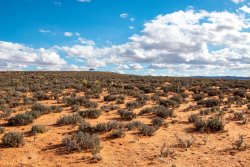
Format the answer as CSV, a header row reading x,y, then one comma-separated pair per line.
x,y
124,15
68,34
245,9
86,41
18,56
45,31
131,27
183,40
83,1
132,19
237,1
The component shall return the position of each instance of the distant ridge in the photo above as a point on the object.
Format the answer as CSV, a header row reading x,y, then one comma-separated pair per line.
x,y
223,77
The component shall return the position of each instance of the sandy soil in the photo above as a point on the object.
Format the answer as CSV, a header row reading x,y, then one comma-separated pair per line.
x,y
213,149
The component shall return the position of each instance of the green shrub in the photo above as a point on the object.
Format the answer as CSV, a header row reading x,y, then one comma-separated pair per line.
x,y
90,113
21,119
81,141
13,139
69,120
38,129
126,115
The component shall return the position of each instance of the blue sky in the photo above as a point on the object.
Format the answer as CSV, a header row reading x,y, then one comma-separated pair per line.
x,y
119,35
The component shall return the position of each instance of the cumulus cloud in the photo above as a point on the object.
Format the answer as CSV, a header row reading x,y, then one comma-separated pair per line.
x,y
45,31
245,9
14,56
237,1
68,34
188,40
131,27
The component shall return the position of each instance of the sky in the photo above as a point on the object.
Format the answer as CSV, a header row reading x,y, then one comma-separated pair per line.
x,y
142,37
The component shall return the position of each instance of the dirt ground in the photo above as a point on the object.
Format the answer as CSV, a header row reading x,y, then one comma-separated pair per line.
x,y
209,149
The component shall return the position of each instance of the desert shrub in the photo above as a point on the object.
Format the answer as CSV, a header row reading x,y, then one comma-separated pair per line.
x,y
2,130
157,121
155,98
163,112
239,116
81,141
21,119
213,92
172,88
132,125
35,114
132,105
108,108
120,101
248,106
239,93
69,120
85,126
126,115
56,109
90,113
193,118
42,108
240,144
205,112
178,99
215,124
106,127
13,139
147,88
38,129
41,96
200,124
117,133
209,102
146,130
109,98
198,97
83,101
146,110
28,100
168,103
75,108
184,141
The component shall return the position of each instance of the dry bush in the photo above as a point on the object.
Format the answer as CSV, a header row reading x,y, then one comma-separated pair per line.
x,y
13,139
240,144
38,129
184,141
